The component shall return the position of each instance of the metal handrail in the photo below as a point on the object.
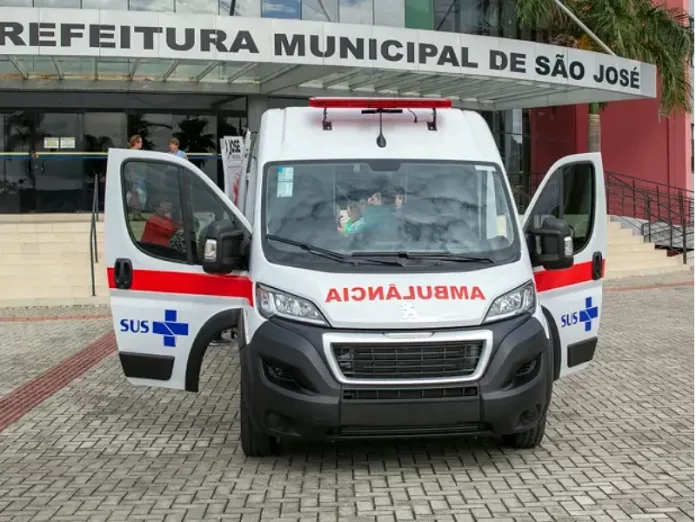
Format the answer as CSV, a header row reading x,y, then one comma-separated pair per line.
x,y
648,182
93,250
631,197
650,204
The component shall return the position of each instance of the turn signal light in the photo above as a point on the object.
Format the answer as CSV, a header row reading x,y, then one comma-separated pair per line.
x,y
380,103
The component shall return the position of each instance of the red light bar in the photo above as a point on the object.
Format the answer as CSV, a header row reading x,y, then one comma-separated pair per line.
x,y
380,103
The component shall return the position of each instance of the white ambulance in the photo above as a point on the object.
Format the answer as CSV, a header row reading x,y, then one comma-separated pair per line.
x,y
380,277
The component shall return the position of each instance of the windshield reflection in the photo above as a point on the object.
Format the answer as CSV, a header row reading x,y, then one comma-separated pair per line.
x,y
423,212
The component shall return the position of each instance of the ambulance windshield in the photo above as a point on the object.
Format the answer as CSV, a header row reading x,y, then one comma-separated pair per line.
x,y
381,211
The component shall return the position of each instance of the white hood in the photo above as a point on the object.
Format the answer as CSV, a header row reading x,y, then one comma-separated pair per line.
x,y
399,300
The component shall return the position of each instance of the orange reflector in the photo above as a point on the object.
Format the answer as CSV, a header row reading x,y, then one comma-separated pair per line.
x,y
380,103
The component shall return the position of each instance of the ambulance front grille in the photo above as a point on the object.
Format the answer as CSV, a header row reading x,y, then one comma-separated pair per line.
x,y
395,361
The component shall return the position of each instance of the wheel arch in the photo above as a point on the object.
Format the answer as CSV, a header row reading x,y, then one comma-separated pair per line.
x,y
221,321
555,342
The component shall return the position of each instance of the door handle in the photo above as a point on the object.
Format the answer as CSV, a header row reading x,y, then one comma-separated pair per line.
x,y
123,273
597,262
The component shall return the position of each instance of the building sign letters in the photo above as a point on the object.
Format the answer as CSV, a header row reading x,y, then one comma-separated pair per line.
x,y
127,34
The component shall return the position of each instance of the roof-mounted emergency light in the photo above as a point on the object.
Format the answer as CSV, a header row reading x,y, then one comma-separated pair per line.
x,y
380,103
381,106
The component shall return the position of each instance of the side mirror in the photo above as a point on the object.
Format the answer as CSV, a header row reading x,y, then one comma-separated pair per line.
x,y
226,248
555,244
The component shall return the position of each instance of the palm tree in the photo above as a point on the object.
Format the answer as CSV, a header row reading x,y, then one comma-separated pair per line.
x,y
137,124
193,137
24,131
635,29
95,167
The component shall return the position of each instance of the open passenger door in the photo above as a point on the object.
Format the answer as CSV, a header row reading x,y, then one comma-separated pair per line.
x,y
166,309
573,190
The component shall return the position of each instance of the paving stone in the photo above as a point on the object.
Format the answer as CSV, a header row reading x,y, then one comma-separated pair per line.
x,y
28,349
619,442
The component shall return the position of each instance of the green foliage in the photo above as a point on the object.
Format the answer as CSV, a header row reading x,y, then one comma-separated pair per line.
x,y
635,29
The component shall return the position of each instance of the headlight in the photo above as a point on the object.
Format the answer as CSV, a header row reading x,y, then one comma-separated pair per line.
x,y
272,302
518,301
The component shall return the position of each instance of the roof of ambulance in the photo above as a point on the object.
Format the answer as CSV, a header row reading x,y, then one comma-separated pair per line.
x,y
296,133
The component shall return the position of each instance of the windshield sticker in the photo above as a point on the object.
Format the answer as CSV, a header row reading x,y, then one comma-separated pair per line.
x,y
284,189
286,178
286,174
411,293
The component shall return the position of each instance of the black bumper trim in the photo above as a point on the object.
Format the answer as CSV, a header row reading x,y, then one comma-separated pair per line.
x,y
496,404
582,352
139,366
407,432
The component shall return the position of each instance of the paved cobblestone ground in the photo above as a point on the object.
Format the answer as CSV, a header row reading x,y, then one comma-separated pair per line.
x,y
27,349
619,444
53,311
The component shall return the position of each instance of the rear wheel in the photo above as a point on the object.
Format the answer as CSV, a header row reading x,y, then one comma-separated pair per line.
x,y
527,439
254,442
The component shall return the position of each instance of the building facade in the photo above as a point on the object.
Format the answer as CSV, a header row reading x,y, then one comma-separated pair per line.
x,y
80,76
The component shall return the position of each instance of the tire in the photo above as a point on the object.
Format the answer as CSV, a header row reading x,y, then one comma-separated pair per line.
x,y
254,443
527,439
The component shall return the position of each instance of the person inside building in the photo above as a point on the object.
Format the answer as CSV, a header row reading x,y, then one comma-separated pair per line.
x,y
136,191
136,142
174,145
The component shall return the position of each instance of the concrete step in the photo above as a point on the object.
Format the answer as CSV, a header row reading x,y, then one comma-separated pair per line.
x,y
56,269
43,228
625,239
39,278
629,255
84,217
639,262
46,235
16,259
619,273
46,260
48,248
630,249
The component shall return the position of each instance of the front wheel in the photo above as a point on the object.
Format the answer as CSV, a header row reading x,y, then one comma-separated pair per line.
x,y
527,439
254,443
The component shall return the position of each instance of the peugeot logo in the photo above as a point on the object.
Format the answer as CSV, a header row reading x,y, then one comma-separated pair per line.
x,y
408,312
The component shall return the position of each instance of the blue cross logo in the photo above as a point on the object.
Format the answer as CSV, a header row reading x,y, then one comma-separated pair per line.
x,y
588,314
170,328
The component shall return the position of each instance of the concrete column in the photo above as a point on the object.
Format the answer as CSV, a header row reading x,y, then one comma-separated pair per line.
x,y
257,105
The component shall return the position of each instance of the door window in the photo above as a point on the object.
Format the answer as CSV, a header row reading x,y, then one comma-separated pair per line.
x,y
569,195
168,210
205,207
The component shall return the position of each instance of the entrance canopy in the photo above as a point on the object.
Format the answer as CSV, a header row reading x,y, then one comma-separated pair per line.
x,y
164,52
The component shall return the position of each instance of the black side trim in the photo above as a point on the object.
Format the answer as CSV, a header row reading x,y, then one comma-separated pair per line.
x,y
222,321
555,341
139,366
581,352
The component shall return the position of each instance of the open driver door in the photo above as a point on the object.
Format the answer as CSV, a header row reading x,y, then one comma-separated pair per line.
x,y
166,308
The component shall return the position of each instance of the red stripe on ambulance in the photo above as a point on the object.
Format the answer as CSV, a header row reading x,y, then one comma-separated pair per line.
x,y
243,287
576,274
188,283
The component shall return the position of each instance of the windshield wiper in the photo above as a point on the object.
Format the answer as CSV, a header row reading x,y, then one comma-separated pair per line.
x,y
435,256
329,254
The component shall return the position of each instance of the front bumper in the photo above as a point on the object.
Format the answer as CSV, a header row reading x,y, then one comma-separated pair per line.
x,y
292,393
